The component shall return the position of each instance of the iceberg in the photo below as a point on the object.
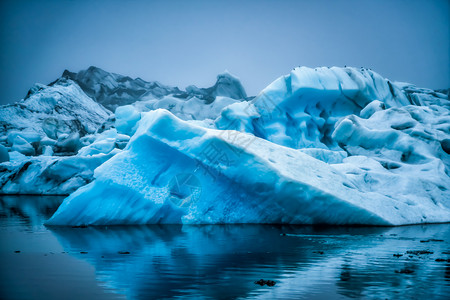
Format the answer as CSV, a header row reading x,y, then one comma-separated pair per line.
x,y
57,115
173,171
4,155
75,105
114,90
316,146
208,251
46,174
70,119
301,109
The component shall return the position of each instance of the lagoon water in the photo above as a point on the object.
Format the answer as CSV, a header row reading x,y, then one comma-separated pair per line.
x,y
215,261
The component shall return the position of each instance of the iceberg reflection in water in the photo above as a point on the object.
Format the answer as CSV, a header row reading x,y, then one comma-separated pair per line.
x,y
224,261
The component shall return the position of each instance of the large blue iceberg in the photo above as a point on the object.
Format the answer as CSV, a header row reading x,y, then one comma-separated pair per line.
x,y
317,146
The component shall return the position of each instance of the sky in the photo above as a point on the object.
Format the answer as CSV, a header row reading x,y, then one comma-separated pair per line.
x,y
181,43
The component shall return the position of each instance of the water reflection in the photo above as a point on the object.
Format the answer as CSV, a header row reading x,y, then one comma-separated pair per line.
x,y
28,211
166,261
223,261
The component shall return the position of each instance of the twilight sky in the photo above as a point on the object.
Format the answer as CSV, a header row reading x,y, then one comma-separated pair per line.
x,y
190,42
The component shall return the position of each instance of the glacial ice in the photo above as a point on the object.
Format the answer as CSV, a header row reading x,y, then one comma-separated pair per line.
x,y
105,142
324,145
173,171
190,109
56,115
48,175
300,110
113,90
70,117
126,119
21,145
227,85
4,155
48,151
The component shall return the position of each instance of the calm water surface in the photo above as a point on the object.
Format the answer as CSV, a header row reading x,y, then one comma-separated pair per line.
x,y
215,262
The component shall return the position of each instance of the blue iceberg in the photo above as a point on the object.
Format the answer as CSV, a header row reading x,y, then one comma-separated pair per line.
x,y
318,146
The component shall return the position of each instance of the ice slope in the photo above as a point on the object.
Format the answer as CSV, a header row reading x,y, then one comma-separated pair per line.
x,y
48,175
61,120
389,138
227,85
57,115
191,109
386,142
300,110
173,171
113,90
59,175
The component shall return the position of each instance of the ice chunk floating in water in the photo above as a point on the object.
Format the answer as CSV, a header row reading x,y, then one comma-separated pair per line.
x,y
327,145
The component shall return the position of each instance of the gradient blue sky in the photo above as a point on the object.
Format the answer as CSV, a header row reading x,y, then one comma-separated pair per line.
x,y
190,42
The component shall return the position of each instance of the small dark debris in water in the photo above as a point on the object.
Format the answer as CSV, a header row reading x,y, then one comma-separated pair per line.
x,y
320,252
263,282
270,283
17,251
404,271
64,252
123,252
442,259
393,234
397,255
283,234
103,256
418,252
80,226
446,252
431,240
83,252
345,276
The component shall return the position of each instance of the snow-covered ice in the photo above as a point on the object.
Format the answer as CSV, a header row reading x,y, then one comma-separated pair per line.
x,y
235,177
324,145
48,175
56,115
71,116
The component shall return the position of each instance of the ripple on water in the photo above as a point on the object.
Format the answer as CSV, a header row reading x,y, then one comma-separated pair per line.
x,y
217,262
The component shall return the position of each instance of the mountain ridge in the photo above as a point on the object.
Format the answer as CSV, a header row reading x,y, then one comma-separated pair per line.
x,y
112,90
